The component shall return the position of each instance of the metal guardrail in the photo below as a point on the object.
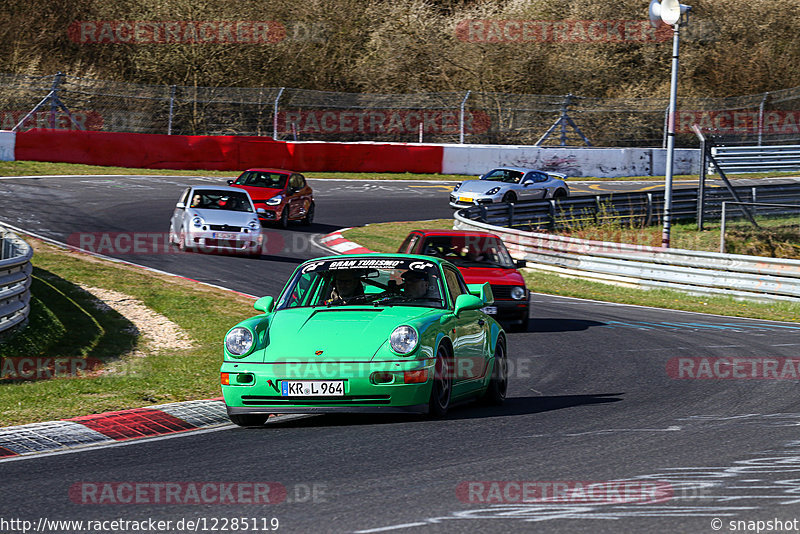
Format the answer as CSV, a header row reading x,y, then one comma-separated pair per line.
x,y
757,158
641,208
696,272
15,280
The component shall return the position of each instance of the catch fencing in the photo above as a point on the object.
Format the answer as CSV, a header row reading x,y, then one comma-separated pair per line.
x,y
15,281
70,102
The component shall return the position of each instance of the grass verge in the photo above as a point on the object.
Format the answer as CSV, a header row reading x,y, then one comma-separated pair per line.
x,y
776,237
140,378
40,168
386,237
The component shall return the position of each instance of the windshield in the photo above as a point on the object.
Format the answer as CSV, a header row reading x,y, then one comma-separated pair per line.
x,y
209,199
383,281
272,180
503,175
469,250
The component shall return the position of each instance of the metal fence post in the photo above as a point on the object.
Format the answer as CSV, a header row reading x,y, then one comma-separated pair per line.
x,y
171,108
761,117
722,229
461,118
275,115
701,190
54,100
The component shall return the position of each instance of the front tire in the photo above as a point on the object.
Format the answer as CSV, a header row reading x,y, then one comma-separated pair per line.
x,y
442,388
560,193
309,218
498,384
509,197
248,419
284,220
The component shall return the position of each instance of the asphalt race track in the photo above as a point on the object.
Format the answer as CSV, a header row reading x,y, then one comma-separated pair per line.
x,y
626,398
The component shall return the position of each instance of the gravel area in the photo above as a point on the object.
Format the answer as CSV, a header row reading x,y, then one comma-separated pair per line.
x,y
157,333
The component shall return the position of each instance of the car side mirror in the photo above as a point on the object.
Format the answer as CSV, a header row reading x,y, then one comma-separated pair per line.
x,y
519,264
466,302
264,304
261,210
482,291
180,205
230,182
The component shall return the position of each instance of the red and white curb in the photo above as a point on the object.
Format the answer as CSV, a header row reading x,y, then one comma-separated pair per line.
x,y
337,243
111,426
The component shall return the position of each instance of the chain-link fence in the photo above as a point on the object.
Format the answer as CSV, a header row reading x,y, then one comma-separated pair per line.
x,y
68,102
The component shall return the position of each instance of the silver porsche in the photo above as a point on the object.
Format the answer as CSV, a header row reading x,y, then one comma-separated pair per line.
x,y
509,184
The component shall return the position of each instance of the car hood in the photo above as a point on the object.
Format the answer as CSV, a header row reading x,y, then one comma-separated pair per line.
x,y
479,186
231,218
260,193
342,333
493,275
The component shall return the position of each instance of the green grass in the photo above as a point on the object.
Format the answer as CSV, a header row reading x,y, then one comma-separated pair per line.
x,y
386,237
777,237
40,168
154,377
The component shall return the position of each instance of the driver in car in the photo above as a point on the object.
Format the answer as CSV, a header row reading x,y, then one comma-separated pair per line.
x,y
415,284
346,285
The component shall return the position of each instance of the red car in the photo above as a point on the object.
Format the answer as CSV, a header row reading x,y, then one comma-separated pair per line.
x,y
481,257
279,196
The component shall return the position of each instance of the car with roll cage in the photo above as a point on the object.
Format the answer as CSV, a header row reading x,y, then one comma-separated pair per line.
x,y
409,336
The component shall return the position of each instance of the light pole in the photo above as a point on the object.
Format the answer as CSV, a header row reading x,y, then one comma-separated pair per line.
x,y
671,12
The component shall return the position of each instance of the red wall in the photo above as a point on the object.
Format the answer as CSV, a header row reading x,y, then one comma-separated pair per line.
x,y
222,152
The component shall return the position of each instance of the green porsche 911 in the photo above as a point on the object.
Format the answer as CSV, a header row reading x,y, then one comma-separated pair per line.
x,y
366,333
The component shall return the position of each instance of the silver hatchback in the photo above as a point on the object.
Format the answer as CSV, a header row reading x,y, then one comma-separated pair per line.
x,y
215,219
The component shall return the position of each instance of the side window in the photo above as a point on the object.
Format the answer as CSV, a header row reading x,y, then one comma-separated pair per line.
x,y
539,177
301,181
454,285
295,182
409,243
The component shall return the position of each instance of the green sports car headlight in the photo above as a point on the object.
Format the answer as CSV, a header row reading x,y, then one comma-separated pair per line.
x,y
239,341
404,339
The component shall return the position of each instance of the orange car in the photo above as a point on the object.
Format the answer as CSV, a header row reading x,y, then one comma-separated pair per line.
x,y
279,196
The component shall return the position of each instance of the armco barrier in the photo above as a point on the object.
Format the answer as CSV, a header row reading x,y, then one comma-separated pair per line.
x,y
756,158
15,280
705,273
644,208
